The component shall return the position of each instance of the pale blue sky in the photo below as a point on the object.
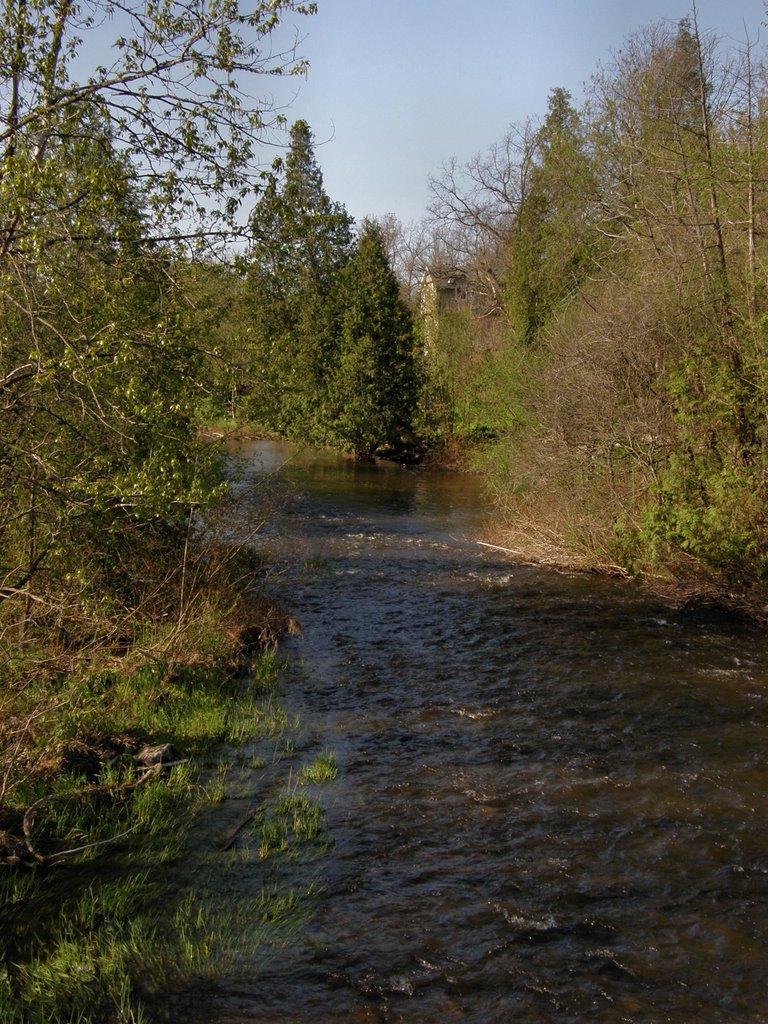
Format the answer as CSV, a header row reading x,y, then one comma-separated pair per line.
x,y
397,87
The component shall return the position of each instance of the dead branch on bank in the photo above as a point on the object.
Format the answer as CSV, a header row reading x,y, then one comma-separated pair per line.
x,y
26,853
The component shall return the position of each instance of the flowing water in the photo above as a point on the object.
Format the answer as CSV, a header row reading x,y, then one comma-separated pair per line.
x,y
552,796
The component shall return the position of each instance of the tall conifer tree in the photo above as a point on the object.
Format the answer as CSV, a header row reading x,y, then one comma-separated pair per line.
x,y
553,242
301,239
375,387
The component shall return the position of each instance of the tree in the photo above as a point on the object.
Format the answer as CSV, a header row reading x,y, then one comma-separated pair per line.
x,y
411,249
518,221
553,244
301,239
172,86
99,371
677,138
475,210
632,237
374,391
99,455
300,234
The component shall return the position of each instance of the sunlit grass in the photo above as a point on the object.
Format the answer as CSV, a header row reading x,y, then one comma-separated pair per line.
x,y
113,948
94,950
322,769
284,825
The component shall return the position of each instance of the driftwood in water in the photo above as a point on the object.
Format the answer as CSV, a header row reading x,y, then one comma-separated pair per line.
x,y
497,547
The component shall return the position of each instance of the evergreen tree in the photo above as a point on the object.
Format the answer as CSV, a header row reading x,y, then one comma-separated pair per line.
x,y
375,385
301,240
553,241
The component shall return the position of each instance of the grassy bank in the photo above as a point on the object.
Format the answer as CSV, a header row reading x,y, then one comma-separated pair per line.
x,y
111,882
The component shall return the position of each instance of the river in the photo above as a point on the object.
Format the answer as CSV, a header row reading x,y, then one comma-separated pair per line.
x,y
552,792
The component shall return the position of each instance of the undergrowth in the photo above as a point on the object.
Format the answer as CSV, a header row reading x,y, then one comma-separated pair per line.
x,y
101,930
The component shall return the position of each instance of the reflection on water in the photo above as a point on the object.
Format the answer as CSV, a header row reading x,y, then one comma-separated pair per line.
x,y
552,798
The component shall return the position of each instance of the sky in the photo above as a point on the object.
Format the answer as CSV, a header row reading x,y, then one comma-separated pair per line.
x,y
398,87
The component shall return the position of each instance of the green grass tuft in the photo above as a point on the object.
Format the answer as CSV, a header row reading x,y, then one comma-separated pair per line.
x,y
322,769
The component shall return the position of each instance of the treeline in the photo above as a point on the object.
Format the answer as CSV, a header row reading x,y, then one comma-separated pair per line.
x,y
612,330
155,277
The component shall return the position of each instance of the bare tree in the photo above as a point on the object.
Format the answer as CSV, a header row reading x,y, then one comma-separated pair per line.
x,y
476,206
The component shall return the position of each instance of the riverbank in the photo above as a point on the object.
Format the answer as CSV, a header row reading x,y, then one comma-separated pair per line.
x,y
702,593
688,586
122,773
134,881
104,774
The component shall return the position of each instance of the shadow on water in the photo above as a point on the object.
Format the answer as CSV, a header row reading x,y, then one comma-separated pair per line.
x,y
552,799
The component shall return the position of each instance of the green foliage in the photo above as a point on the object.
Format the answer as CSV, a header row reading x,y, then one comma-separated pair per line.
x,y
83,970
211,313
712,495
301,241
168,89
329,347
99,947
554,244
447,361
100,463
374,389
300,236
108,949
102,364
633,430
471,394
292,820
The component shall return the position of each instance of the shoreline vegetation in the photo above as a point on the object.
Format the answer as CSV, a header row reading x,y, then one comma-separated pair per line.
x,y
688,588
112,776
